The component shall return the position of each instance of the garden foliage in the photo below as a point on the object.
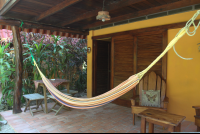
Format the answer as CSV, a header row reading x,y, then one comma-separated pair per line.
x,y
57,57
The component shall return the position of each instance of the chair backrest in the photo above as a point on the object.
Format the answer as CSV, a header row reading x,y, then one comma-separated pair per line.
x,y
153,82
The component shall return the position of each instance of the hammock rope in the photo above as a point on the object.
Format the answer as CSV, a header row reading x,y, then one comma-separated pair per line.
x,y
121,89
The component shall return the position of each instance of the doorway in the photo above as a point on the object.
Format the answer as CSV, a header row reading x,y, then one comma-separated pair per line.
x,y
101,66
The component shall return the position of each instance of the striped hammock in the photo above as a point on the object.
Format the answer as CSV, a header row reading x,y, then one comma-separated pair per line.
x,y
121,89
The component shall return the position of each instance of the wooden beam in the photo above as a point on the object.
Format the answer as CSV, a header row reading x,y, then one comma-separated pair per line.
x,y
90,14
11,22
149,3
56,8
19,70
8,6
174,5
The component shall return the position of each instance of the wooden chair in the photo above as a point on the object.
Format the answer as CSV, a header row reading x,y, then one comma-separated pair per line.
x,y
57,103
33,97
150,82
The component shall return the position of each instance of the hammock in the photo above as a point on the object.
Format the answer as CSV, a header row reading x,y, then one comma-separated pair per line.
x,y
121,89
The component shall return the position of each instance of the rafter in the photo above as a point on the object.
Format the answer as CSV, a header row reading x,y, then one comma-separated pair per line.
x,y
56,8
149,3
90,14
8,6
12,22
157,9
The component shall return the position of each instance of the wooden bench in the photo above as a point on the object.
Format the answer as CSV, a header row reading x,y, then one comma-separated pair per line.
x,y
165,119
33,97
57,103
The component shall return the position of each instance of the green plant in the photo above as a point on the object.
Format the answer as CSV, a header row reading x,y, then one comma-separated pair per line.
x,y
7,70
81,82
5,67
40,54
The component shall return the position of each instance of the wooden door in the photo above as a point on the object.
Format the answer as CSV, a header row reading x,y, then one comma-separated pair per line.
x,y
131,54
122,65
101,62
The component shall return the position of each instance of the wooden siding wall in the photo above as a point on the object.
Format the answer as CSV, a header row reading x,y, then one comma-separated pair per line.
x,y
123,60
149,48
133,53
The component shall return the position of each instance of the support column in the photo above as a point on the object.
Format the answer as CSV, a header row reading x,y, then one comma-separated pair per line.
x,y
19,70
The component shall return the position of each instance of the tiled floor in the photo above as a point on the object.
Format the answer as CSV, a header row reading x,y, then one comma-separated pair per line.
x,y
110,118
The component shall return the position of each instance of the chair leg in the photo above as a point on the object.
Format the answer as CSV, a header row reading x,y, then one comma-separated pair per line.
x,y
38,104
30,110
59,110
133,119
54,106
42,105
27,104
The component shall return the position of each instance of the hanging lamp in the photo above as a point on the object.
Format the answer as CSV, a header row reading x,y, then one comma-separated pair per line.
x,y
103,15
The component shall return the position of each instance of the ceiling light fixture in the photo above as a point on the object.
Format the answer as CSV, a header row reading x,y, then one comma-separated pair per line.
x,y
103,15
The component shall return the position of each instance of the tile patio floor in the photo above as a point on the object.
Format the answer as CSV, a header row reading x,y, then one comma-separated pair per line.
x,y
110,118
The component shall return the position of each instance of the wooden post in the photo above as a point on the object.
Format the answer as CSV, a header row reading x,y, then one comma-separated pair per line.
x,y
19,68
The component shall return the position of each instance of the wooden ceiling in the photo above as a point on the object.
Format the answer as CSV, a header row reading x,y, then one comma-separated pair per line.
x,y
80,15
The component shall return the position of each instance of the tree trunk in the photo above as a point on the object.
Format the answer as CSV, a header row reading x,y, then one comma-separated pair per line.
x,y
19,69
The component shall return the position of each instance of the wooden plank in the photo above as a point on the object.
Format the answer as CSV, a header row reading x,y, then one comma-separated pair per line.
x,y
8,6
56,8
139,109
166,7
158,87
149,3
90,14
19,70
143,125
141,87
11,22
147,53
163,90
135,55
164,58
123,61
94,55
145,83
112,64
152,81
151,128
135,62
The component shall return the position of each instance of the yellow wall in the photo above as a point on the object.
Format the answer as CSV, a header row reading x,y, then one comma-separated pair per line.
x,y
89,66
182,75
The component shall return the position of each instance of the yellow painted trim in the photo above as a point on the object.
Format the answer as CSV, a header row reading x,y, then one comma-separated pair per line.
x,y
89,65
170,19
